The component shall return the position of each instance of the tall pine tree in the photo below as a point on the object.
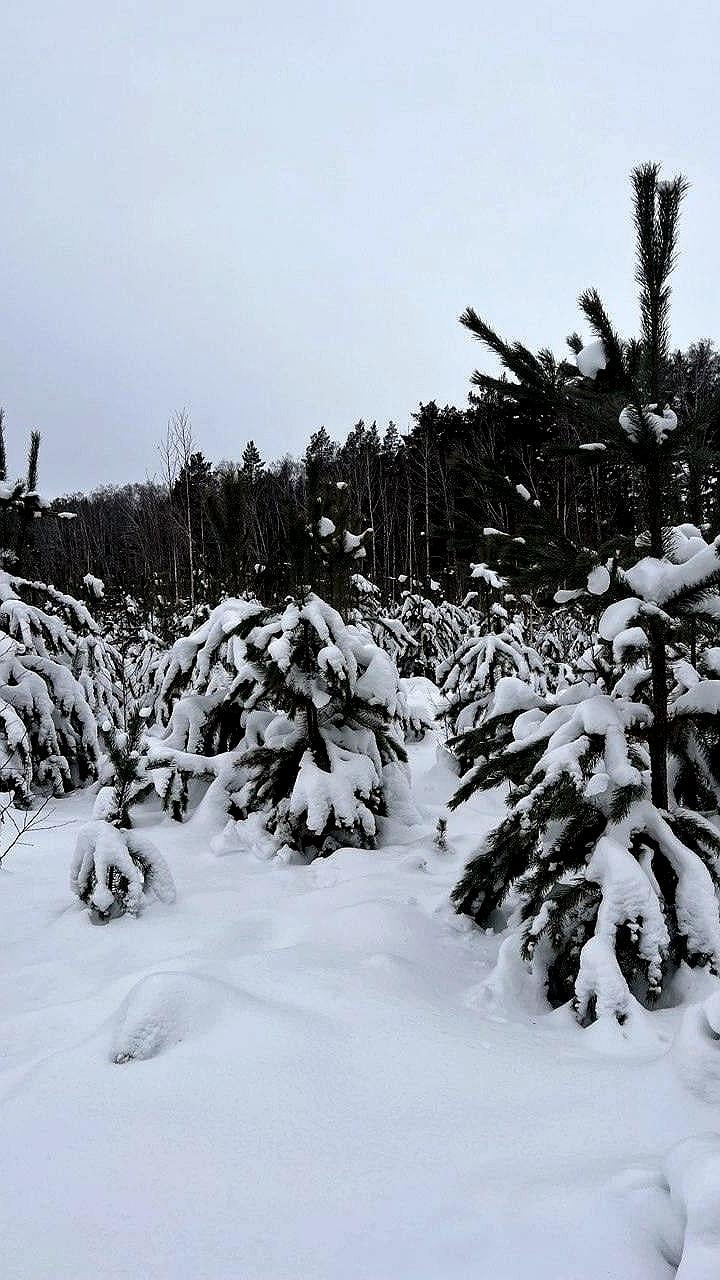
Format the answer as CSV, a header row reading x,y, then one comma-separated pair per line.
x,y
608,856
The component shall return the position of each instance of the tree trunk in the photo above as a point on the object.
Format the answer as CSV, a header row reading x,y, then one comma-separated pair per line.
x,y
658,736
659,731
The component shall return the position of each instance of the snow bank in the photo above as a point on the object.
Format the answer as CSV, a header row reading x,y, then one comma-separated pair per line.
x,y
314,1084
692,1169
696,1049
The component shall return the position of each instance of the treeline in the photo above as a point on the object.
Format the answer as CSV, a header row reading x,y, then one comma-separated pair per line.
x,y
200,531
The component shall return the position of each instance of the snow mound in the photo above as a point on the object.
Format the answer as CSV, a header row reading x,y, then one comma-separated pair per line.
x,y
164,1008
512,989
692,1170
422,695
696,1049
372,927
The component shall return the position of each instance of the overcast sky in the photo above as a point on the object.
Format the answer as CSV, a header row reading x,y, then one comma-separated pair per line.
x,y
273,213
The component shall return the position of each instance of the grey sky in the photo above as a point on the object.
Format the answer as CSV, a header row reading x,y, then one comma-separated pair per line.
x,y
273,213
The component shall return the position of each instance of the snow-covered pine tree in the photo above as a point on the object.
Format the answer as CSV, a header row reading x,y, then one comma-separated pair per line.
x,y
323,767
126,781
469,681
563,637
20,504
58,677
114,868
215,701
335,554
435,626
113,871
609,856
387,630
487,594
389,633
120,617
58,685
493,649
201,706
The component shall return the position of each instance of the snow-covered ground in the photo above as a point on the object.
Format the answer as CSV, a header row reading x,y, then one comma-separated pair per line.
x,y
318,1073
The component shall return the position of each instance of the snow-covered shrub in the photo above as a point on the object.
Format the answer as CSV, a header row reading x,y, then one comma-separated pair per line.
x,y
318,771
59,683
113,871
94,587
695,1052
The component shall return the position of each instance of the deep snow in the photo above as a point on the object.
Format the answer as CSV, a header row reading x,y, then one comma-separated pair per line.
x,y
319,1073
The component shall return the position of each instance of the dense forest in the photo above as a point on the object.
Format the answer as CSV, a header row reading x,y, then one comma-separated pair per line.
x,y
201,530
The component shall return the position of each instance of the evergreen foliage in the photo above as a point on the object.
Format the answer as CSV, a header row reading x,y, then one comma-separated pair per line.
x,y
58,686
607,858
469,679
335,554
201,701
434,627
127,767
319,770
114,871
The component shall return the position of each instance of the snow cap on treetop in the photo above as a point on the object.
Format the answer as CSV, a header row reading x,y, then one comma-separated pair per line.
x,y
591,359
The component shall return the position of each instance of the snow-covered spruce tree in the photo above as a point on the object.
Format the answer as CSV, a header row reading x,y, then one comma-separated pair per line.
x,y
201,706
323,767
609,858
